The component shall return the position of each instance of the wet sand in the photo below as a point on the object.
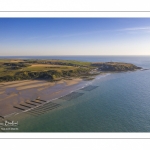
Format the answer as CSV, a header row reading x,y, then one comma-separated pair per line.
x,y
19,92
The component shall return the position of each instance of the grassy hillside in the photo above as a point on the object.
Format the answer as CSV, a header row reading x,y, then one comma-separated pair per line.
x,y
11,70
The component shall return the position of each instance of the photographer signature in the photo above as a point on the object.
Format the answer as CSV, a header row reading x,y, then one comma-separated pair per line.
x,y
11,123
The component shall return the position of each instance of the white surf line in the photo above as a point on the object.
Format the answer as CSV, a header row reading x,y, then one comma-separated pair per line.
x,y
47,102
58,97
67,94
9,115
50,100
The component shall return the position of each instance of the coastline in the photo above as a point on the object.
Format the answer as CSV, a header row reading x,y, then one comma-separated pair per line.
x,y
15,92
12,94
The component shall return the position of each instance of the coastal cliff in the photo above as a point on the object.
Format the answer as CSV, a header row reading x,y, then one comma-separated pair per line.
x,y
115,66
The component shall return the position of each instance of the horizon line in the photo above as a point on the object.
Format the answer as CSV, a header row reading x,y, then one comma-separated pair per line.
x,y
64,55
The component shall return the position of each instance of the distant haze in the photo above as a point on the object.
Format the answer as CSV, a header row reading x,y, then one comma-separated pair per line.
x,y
74,36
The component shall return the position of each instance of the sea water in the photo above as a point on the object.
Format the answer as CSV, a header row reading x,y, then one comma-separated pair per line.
x,y
120,103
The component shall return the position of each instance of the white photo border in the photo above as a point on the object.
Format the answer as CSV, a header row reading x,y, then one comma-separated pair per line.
x,y
75,14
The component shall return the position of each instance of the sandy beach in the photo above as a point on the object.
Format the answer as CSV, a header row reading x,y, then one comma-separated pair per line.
x,y
14,93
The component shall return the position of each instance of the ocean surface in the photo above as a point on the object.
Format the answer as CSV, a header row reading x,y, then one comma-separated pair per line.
x,y
119,103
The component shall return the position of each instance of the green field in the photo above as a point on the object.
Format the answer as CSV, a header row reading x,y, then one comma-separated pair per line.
x,y
11,70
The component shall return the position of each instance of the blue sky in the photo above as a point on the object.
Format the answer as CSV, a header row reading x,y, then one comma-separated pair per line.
x,y
74,36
